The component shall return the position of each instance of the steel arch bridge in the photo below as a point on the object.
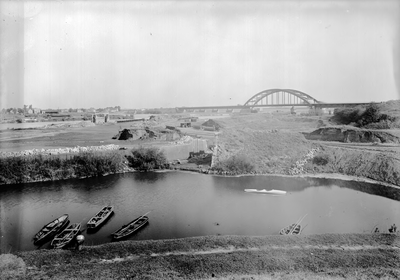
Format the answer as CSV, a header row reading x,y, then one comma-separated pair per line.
x,y
282,97
272,98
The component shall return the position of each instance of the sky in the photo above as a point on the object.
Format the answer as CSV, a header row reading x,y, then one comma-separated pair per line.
x,y
152,54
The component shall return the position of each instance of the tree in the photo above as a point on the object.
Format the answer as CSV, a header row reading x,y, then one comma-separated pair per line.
x,y
371,114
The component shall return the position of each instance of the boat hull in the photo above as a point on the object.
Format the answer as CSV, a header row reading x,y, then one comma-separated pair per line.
x,y
264,191
292,229
65,237
130,228
102,216
51,229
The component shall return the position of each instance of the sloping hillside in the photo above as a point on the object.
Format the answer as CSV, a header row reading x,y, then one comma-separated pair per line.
x,y
275,144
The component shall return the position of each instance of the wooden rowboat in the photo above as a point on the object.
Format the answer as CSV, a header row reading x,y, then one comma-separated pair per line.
x,y
264,191
100,217
130,228
292,229
51,229
66,236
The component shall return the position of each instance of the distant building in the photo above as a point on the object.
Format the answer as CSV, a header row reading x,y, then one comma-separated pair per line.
x,y
51,112
186,124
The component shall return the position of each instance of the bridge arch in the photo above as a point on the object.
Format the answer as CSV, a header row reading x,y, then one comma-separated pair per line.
x,y
281,97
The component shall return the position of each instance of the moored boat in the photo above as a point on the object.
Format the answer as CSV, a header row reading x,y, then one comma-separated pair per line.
x,y
130,228
65,237
48,231
291,229
264,191
100,217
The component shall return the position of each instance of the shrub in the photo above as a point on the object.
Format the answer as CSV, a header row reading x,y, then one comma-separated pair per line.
x,y
347,115
321,159
145,159
383,124
237,164
43,168
370,115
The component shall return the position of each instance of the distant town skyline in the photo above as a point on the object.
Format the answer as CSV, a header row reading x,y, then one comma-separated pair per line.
x,y
153,54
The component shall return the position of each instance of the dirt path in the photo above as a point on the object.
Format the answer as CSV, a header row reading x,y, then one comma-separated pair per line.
x,y
387,148
232,249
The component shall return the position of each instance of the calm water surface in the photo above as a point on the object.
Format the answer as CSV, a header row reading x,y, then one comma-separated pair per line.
x,y
4,126
186,204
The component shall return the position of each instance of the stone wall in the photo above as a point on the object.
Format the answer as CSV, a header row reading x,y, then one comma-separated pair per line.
x,y
182,150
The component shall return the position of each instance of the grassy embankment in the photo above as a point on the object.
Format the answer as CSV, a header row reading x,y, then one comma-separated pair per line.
x,y
361,256
274,144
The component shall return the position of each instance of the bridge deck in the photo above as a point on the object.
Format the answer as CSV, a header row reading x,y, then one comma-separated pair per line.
x,y
316,105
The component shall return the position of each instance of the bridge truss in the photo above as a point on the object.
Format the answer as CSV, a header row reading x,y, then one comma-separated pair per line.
x,y
282,97
272,98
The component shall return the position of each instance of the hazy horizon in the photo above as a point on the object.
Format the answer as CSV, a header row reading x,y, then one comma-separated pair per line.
x,y
152,54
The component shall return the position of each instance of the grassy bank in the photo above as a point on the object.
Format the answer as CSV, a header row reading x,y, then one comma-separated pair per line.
x,y
375,165
361,256
275,145
25,169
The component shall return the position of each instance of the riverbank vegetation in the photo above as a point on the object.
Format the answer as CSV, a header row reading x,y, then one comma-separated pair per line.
x,y
24,169
235,165
146,159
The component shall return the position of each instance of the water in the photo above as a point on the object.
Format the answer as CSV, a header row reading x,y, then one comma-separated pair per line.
x,y
4,126
186,204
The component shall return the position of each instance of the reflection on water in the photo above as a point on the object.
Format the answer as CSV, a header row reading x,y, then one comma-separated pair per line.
x,y
185,204
374,189
4,126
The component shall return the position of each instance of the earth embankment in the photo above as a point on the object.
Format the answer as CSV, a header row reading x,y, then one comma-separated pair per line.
x,y
281,145
364,256
351,135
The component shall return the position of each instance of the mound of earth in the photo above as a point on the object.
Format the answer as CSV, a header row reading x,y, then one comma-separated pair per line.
x,y
347,135
212,123
147,133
